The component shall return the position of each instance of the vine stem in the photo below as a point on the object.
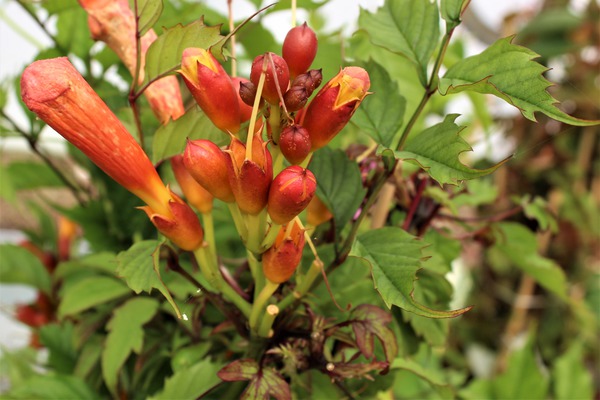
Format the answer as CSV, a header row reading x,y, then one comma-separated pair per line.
x,y
429,90
43,26
258,307
136,76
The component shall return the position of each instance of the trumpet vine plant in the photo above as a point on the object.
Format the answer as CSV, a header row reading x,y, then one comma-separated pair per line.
x,y
262,219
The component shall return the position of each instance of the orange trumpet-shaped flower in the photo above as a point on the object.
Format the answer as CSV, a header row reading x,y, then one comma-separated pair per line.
x,y
194,192
334,105
212,88
58,94
281,260
113,22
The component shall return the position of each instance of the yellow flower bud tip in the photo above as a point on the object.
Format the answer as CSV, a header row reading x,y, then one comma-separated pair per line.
x,y
354,84
194,57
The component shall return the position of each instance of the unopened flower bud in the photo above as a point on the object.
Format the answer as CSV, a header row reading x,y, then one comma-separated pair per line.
x,y
281,260
194,193
294,143
212,88
291,191
299,49
295,98
280,76
309,80
317,212
208,165
250,178
334,105
247,93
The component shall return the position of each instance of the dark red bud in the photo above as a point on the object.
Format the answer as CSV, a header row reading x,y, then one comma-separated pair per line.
x,y
295,98
247,92
294,143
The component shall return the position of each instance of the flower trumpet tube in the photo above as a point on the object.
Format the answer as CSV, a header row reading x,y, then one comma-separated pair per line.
x,y
212,88
281,260
291,191
194,193
113,22
209,166
58,94
250,178
334,105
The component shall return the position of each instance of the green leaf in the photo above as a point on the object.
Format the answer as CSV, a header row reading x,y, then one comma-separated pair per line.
x,y
139,266
164,55
519,245
126,334
570,378
537,208
508,71
522,378
369,320
60,342
437,151
148,12
170,139
31,175
407,27
381,114
264,382
103,262
395,257
185,383
339,184
8,190
53,386
89,356
89,292
18,265
451,11
73,33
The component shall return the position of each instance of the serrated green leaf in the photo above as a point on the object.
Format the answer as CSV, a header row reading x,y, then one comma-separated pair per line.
x,y
537,208
339,184
570,378
520,246
170,139
53,386
60,341
407,27
32,175
148,12
139,266
103,262
437,151
18,265
89,292
381,114
451,10
395,257
126,334
164,55
184,384
508,71
368,321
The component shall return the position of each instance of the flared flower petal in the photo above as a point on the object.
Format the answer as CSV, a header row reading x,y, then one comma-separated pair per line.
x,y
281,260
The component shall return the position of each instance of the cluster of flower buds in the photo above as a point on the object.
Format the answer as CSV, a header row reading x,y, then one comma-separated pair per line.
x,y
279,89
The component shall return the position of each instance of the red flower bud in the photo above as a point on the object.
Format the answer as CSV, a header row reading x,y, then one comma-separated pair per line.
x,y
58,94
245,109
208,165
317,212
212,88
291,191
295,98
281,75
194,193
334,105
281,260
294,143
299,49
250,178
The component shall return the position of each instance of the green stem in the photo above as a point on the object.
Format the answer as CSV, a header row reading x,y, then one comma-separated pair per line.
x,y
210,270
429,90
264,330
238,220
258,275
136,76
258,308
256,225
304,286
41,24
270,236
209,231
